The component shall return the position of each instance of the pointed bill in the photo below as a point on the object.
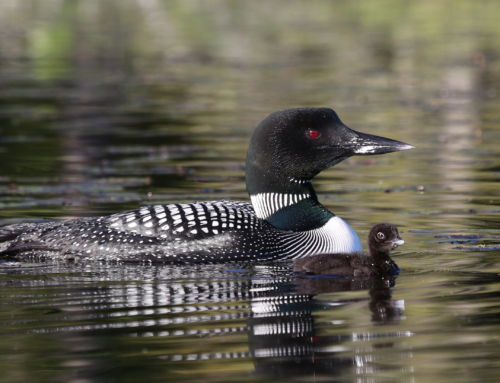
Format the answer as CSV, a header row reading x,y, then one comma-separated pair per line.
x,y
368,144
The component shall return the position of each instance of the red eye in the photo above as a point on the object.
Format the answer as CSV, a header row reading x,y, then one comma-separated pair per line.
x,y
313,134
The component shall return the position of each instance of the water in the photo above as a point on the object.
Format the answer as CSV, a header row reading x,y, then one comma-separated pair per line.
x,y
107,106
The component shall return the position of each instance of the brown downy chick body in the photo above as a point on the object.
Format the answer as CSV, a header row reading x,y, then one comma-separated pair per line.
x,y
383,238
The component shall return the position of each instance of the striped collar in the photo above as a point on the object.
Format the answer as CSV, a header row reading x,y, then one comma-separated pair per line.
x,y
266,204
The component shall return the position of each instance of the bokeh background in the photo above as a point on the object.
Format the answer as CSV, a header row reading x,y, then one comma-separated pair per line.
x,y
103,102
113,104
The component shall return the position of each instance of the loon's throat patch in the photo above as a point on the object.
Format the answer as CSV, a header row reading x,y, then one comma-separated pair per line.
x,y
266,204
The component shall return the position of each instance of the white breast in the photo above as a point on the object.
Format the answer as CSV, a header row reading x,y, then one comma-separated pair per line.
x,y
336,236
342,238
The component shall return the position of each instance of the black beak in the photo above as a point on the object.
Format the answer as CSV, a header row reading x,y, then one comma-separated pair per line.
x,y
367,144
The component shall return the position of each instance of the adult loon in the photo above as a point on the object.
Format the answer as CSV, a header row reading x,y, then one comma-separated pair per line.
x,y
284,221
383,238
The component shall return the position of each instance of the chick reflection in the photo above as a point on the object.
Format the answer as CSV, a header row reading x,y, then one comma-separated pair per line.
x,y
384,309
282,329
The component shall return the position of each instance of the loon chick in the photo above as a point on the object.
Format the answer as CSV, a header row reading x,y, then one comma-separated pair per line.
x,y
383,238
284,221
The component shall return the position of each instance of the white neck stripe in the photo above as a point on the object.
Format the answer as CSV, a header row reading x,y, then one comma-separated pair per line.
x,y
266,204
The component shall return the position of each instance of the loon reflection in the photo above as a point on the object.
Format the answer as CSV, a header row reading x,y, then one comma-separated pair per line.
x,y
293,325
286,340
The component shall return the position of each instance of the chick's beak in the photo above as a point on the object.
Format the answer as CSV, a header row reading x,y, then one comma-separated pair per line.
x,y
398,242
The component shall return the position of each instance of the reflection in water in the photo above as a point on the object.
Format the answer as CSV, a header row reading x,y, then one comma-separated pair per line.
x,y
280,324
286,340
123,322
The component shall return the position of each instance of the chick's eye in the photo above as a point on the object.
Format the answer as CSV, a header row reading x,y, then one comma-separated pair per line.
x,y
380,235
313,133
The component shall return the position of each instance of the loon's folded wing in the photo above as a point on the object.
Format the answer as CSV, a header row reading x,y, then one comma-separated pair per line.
x,y
190,221
9,233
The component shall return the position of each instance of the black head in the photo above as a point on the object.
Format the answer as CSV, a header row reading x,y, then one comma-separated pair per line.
x,y
383,238
299,143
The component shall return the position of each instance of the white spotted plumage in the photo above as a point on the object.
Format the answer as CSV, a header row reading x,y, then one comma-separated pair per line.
x,y
234,231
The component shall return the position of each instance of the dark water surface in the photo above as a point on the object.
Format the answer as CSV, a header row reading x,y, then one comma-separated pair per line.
x,y
108,106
